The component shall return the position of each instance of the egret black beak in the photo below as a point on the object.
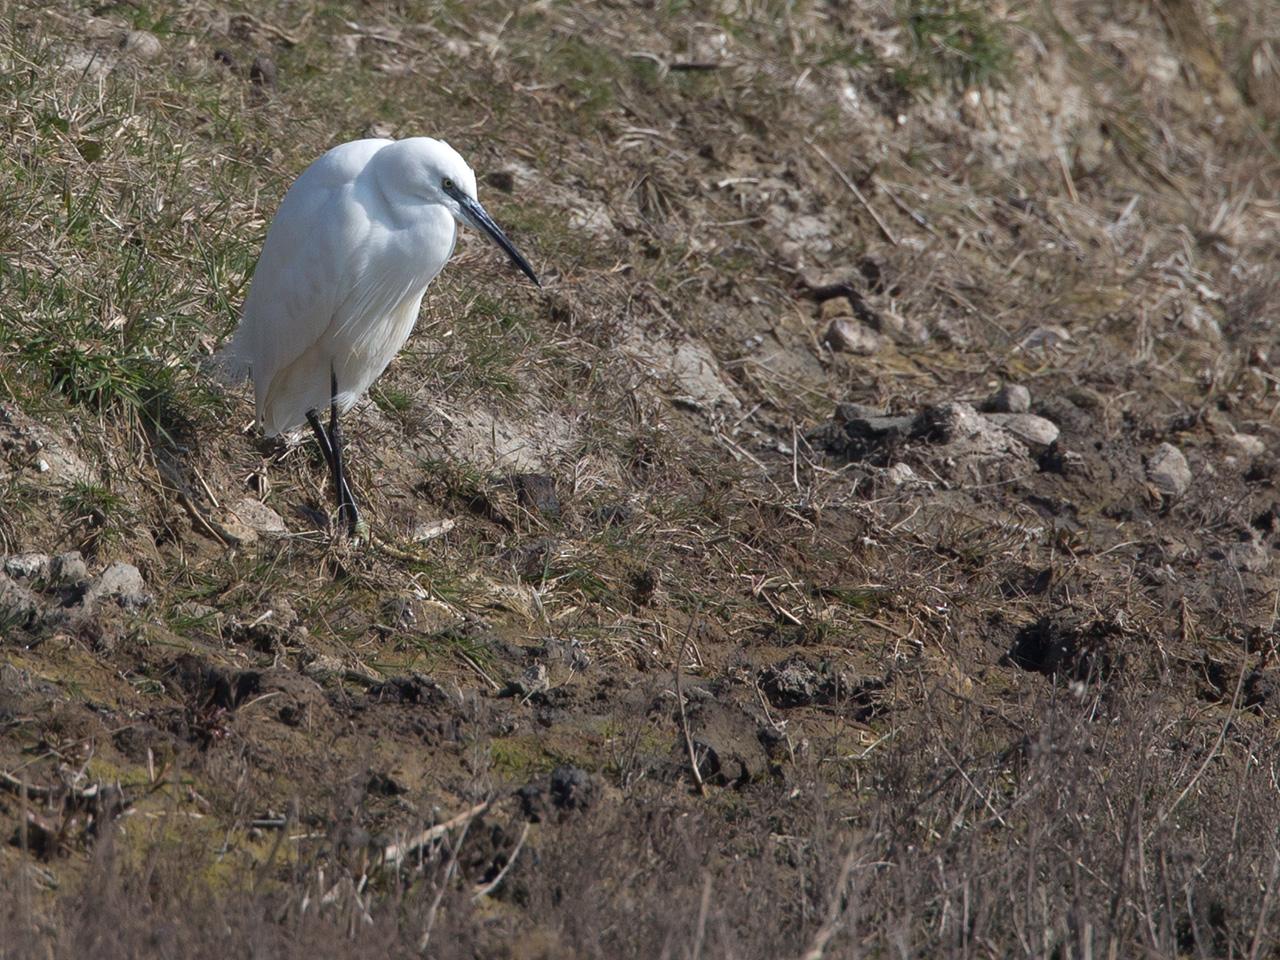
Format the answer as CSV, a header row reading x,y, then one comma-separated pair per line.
x,y
479,218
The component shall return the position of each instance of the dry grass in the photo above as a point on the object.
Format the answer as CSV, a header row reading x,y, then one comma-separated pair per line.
x,y
1039,694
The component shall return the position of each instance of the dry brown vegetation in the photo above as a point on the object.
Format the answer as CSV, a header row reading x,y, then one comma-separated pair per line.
x,y
710,619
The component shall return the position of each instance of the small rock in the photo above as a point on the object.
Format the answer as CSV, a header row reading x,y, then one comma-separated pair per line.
x,y
797,683
835,307
120,582
27,566
1168,472
905,330
429,531
1027,427
534,680
1245,445
141,45
323,666
88,63
856,411
571,788
68,569
1045,338
948,423
1011,398
18,605
263,72
901,474
258,517
847,335
414,688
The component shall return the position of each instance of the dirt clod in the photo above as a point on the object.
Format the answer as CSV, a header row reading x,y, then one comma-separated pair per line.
x,y
1011,398
571,788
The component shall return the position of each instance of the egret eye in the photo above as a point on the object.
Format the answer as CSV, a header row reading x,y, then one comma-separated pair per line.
x,y
446,184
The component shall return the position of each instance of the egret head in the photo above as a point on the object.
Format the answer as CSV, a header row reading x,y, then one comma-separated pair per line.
x,y
439,175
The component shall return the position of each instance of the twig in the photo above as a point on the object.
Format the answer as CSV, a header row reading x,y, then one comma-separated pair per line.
x,y
394,853
684,720
21,787
835,912
1260,924
444,885
483,890
1213,753
702,917
853,187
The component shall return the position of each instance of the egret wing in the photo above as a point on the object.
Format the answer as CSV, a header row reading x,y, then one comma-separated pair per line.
x,y
311,262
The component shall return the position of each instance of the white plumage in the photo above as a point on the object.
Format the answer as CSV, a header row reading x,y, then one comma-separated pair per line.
x,y
346,262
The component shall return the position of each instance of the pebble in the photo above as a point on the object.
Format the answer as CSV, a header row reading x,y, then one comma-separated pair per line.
x,y
1245,445
141,44
121,582
901,474
17,603
1167,470
262,72
904,330
27,566
1027,427
534,679
571,788
847,335
68,569
836,307
258,517
429,531
1011,398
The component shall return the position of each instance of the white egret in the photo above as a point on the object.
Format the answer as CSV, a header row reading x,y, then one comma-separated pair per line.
x,y
336,292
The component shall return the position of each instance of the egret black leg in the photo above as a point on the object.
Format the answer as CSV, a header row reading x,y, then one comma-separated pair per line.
x,y
322,438
347,510
326,447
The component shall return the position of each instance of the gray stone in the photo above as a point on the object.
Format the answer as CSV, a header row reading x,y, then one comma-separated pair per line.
x,y
856,411
27,566
1245,445
836,307
26,443
534,679
901,474
1011,398
1027,427
250,518
18,606
1168,472
68,569
120,582
140,44
905,330
847,335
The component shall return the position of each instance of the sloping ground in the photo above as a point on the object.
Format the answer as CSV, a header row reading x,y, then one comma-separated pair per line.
x,y
864,544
